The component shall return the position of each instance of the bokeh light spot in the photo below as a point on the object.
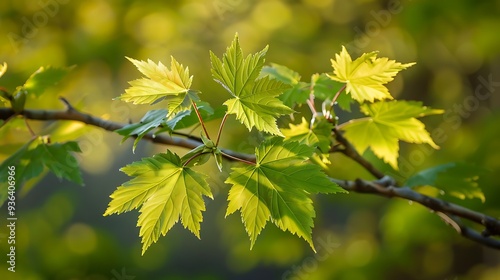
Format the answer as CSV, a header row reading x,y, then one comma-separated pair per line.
x,y
81,239
271,15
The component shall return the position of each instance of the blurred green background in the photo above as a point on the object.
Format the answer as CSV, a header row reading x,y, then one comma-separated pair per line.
x,y
61,233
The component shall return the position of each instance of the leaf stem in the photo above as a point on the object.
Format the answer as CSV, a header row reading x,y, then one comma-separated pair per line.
x,y
338,94
237,158
29,127
200,119
220,129
192,158
310,103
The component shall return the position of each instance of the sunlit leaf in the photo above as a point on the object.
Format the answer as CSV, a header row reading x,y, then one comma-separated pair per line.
x,y
160,82
254,103
365,77
166,192
277,189
386,124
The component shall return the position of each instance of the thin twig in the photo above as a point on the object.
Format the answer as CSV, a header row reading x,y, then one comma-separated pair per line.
x,y
220,128
200,119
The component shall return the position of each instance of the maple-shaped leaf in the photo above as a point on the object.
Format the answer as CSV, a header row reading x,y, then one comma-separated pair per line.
x,y
278,188
160,82
38,155
365,77
166,192
460,180
299,91
254,103
386,124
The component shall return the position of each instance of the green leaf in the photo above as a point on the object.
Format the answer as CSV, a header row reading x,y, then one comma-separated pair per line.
x,y
160,82
36,155
277,188
18,100
325,88
365,77
318,135
44,78
189,118
151,120
166,192
281,73
254,103
197,156
299,91
386,124
456,179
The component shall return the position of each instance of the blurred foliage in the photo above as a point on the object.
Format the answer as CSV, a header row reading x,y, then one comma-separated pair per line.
x,y
61,233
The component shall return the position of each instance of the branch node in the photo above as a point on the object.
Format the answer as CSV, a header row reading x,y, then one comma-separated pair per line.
x,y
386,181
66,103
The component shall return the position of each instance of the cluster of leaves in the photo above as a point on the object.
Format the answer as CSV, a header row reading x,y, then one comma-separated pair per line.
x,y
277,185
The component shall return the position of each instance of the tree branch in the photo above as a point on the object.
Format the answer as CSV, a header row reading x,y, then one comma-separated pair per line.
x,y
385,186
446,210
351,152
72,114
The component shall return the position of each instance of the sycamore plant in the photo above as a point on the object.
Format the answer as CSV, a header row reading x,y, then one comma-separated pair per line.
x,y
277,186
273,185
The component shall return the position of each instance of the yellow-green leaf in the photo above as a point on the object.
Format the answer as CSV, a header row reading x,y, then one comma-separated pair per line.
x,y
277,189
160,82
386,124
254,103
365,77
166,192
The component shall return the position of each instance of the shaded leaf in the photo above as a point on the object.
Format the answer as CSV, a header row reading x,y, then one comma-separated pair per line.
x,y
44,78
456,179
151,120
325,88
35,156
299,91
